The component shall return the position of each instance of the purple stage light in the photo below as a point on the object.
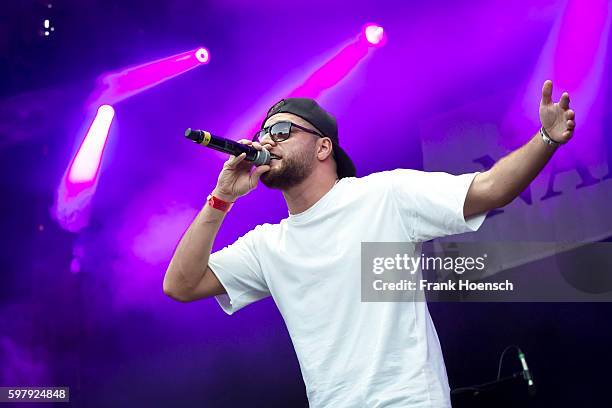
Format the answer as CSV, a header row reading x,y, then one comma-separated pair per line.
x,y
203,55
119,85
332,71
86,163
79,182
374,34
339,66
329,73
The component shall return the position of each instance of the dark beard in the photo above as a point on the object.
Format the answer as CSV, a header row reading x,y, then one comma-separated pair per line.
x,y
291,172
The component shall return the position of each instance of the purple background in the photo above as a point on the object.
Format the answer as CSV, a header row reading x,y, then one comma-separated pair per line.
x,y
108,331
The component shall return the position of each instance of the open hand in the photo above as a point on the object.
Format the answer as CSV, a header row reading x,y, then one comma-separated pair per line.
x,y
556,118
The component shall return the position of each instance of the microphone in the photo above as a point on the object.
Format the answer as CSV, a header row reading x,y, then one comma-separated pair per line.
x,y
204,138
526,373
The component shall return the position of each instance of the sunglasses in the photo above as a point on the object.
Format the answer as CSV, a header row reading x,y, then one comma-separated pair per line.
x,y
280,131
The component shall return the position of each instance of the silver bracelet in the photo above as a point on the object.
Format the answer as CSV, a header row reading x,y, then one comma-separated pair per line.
x,y
547,138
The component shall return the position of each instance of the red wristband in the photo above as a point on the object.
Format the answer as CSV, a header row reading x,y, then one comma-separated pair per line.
x,y
219,204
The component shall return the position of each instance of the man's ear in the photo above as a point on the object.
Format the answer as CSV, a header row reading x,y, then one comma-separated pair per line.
x,y
324,148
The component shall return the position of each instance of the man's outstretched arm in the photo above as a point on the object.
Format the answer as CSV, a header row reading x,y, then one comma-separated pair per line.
x,y
502,183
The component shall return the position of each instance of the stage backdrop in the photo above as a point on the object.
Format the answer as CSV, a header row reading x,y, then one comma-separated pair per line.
x,y
562,207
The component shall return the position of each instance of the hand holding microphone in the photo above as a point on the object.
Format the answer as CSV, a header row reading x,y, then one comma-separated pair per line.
x,y
204,138
237,177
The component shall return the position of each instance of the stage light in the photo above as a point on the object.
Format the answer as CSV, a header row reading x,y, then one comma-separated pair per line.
x,y
114,87
202,55
328,74
47,29
342,63
79,182
78,185
374,34
87,160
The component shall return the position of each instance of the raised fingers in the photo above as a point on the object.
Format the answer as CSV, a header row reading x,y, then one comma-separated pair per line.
x,y
547,92
564,102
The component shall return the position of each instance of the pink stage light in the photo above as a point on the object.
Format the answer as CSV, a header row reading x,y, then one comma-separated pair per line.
x,y
117,86
329,73
340,65
79,182
374,34
86,163
332,71
78,185
203,55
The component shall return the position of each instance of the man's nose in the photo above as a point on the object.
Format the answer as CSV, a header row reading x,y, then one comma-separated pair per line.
x,y
267,141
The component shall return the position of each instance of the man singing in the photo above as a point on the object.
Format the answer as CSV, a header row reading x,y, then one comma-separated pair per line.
x,y
351,353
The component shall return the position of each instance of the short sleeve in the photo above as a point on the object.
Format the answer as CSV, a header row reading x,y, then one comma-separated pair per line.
x,y
431,203
238,269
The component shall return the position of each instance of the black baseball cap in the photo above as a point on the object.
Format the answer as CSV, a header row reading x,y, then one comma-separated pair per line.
x,y
309,110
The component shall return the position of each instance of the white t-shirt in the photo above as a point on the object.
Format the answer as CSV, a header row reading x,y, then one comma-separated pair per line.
x,y
352,353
